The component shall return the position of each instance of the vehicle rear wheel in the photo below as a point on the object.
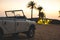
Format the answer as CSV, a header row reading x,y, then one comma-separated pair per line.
x,y
1,35
15,35
31,32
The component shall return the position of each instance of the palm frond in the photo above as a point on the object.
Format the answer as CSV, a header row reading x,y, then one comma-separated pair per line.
x,y
28,6
31,3
39,8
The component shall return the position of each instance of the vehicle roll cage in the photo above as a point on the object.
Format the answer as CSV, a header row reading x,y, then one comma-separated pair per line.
x,y
13,11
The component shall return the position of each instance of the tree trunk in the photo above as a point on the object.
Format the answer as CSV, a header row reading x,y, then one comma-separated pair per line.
x,y
39,13
31,13
59,13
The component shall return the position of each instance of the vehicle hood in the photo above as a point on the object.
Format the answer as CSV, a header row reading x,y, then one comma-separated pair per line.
x,y
33,22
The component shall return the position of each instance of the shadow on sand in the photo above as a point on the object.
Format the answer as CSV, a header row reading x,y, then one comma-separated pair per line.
x,y
20,37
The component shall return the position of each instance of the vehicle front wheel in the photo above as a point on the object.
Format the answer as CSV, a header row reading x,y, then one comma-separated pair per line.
x,y
31,33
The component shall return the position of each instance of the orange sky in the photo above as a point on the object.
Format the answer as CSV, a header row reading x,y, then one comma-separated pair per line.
x,y
50,7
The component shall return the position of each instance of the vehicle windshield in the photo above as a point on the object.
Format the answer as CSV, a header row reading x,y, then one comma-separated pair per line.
x,y
15,13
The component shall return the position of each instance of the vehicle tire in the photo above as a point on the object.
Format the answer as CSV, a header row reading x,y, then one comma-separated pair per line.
x,y
1,34
15,35
31,32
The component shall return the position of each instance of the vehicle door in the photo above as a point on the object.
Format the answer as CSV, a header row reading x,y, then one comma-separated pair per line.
x,y
21,25
9,25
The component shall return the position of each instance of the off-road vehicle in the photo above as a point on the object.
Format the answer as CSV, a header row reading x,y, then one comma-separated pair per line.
x,y
16,22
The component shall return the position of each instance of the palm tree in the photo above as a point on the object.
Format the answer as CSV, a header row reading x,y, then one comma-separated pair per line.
x,y
40,13
59,13
31,5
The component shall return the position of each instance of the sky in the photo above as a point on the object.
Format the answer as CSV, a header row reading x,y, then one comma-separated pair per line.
x,y
50,7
